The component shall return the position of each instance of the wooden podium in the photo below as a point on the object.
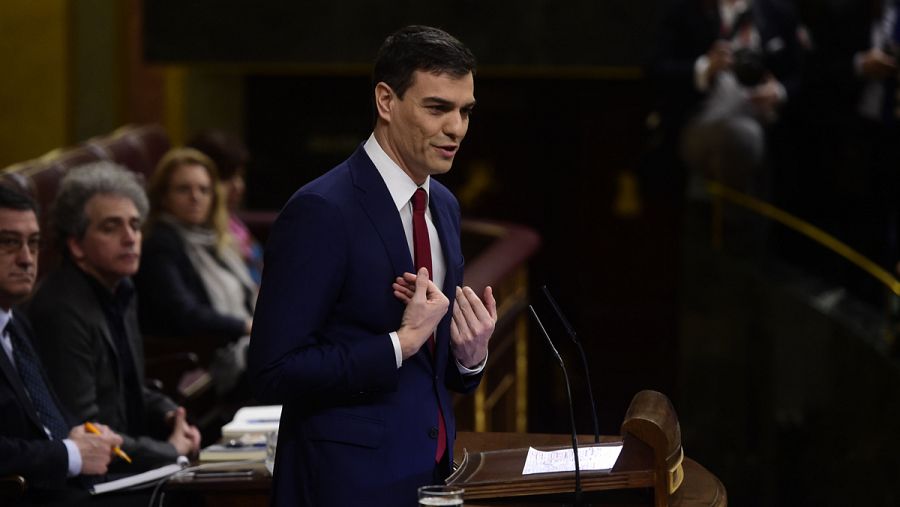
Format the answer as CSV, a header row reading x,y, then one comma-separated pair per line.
x,y
651,464
650,467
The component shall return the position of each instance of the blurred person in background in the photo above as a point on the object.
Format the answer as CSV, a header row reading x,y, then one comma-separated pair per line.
x,y
85,316
724,71
230,155
193,282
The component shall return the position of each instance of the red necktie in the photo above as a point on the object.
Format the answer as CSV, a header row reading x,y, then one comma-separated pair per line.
x,y
422,254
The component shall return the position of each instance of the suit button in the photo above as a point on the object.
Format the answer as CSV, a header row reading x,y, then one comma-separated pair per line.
x,y
433,433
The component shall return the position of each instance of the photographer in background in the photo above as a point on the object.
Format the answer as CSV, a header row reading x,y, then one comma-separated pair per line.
x,y
725,70
851,147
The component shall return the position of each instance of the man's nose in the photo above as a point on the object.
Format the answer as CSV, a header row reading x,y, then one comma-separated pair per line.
x,y
25,257
130,235
456,126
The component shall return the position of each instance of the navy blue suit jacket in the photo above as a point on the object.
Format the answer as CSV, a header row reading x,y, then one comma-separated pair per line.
x,y
355,429
25,448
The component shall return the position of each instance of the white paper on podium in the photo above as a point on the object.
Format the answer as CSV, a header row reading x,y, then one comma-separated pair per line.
x,y
563,460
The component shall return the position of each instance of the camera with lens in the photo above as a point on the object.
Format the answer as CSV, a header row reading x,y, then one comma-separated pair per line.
x,y
748,66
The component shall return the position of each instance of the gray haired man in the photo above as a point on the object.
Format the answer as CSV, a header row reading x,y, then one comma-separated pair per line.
x,y
85,313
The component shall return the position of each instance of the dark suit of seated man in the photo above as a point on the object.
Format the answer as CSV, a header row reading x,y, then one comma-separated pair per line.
x,y
37,439
85,314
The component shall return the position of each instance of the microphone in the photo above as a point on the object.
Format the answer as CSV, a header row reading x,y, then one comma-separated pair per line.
x,y
571,407
587,372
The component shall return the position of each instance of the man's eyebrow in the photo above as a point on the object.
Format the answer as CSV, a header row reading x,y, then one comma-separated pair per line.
x,y
447,103
113,219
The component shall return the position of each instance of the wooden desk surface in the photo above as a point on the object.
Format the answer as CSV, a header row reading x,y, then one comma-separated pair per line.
x,y
699,489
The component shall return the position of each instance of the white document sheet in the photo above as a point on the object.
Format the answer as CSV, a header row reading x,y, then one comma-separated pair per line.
x,y
135,480
563,460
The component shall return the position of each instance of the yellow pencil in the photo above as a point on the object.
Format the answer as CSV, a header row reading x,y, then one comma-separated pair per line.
x,y
119,452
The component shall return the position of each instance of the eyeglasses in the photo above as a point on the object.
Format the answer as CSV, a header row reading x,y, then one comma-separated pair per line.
x,y
11,244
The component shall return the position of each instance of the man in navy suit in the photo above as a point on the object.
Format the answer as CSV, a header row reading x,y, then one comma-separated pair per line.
x,y
37,440
352,332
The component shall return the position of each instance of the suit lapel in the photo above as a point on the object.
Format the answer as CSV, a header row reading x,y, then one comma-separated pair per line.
x,y
377,203
12,376
442,218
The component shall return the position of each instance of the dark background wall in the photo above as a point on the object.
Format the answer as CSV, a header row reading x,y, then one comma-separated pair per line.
x,y
558,128
502,32
775,394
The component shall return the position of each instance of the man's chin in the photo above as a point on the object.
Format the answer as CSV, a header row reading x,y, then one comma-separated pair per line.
x,y
441,167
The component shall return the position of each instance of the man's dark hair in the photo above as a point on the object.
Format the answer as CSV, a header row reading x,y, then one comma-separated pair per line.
x,y
424,48
14,199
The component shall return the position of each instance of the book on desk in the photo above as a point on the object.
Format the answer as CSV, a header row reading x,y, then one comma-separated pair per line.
x,y
247,447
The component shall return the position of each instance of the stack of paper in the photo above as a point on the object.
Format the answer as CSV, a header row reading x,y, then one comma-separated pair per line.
x,y
260,420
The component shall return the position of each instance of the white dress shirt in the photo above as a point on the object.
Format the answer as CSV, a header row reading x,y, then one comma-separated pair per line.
x,y
402,188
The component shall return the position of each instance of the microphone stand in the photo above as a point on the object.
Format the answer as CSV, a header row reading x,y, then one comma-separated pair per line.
x,y
571,406
587,372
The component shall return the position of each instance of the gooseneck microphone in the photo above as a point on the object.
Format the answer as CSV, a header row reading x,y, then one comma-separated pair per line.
x,y
587,372
571,407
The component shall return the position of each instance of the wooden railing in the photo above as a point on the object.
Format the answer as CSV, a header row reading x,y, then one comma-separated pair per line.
x,y
501,401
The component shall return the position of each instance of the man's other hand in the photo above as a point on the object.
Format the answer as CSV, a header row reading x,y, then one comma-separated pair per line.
x,y
472,325
184,437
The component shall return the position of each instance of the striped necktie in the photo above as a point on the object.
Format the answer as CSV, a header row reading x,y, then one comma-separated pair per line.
x,y
36,386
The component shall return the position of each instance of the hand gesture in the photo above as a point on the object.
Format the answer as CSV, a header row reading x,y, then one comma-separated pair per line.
x,y
425,307
875,64
720,58
472,325
184,437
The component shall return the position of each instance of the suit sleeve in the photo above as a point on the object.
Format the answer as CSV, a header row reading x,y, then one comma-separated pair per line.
x,y
39,461
303,345
69,355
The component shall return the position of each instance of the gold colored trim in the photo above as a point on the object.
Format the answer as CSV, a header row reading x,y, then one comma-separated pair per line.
x,y
174,78
497,394
480,412
676,473
521,333
807,229
593,72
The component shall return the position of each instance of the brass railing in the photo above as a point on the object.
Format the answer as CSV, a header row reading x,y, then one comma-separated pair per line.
x,y
722,194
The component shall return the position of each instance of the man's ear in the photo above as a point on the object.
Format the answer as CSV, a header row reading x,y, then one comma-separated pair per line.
x,y
75,249
384,101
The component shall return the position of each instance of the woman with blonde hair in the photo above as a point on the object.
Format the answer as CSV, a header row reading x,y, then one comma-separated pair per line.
x,y
192,282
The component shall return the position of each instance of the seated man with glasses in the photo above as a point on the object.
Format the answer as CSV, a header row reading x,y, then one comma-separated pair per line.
x,y
37,438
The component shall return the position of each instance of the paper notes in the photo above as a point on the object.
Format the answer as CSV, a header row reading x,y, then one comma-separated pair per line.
x,y
563,460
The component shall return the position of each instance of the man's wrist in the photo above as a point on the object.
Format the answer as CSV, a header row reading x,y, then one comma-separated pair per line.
x,y
473,370
398,352
74,458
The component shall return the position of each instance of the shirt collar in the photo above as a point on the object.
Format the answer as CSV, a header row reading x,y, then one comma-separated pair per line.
x,y
119,298
5,318
399,184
